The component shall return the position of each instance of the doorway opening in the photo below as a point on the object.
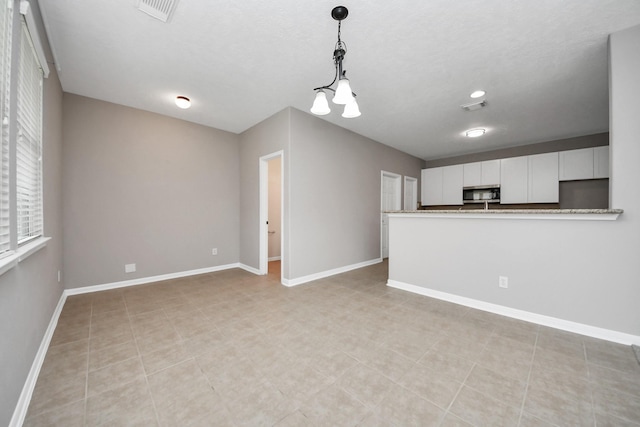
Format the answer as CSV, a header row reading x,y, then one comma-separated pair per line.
x,y
271,214
390,200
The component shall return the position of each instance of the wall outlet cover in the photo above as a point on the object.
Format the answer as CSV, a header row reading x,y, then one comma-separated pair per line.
x,y
214,251
129,268
503,282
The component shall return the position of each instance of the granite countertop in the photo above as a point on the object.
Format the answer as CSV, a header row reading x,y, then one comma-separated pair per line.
x,y
514,211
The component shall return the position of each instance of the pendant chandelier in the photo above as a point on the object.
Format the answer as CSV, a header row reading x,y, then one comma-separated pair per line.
x,y
342,94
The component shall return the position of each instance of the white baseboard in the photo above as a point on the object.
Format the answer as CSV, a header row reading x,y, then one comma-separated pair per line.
x,y
151,279
552,322
250,269
20,411
275,258
327,273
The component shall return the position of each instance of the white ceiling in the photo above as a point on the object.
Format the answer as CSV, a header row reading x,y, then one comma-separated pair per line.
x,y
412,63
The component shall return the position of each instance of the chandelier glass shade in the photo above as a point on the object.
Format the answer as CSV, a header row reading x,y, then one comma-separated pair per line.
x,y
343,95
320,104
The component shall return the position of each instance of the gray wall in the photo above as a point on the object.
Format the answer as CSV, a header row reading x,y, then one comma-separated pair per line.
x,y
267,137
584,194
30,291
331,192
146,189
335,194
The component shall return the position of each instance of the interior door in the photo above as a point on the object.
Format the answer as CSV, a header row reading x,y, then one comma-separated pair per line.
x,y
410,193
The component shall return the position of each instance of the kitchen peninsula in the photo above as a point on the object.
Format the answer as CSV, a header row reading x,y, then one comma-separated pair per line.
x,y
538,265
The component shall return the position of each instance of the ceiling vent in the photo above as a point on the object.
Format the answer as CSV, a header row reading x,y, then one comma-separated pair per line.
x,y
159,9
474,105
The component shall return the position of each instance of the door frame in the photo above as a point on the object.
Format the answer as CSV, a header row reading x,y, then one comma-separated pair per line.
x,y
397,202
415,192
264,212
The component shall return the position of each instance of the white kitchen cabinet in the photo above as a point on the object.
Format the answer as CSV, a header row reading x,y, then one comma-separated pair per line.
x,y
431,187
586,163
452,185
442,186
514,180
530,179
481,173
491,172
576,164
472,174
543,184
601,162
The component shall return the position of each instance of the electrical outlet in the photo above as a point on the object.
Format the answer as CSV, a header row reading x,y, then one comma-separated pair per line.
x,y
59,276
129,268
503,282
214,251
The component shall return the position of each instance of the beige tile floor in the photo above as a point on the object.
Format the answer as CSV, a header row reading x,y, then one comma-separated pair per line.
x,y
231,348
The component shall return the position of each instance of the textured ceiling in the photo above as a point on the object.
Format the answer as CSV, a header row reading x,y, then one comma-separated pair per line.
x,y
412,63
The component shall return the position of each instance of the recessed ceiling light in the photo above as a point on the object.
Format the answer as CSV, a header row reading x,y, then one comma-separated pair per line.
x,y
478,94
183,102
474,133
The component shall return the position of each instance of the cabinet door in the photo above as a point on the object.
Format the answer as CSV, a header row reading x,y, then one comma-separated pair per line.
x,y
576,164
431,187
491,172
472,174
543,178
514,179
452,185
601,162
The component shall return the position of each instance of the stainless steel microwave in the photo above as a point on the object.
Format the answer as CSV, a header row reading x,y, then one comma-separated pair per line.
x,y
481,194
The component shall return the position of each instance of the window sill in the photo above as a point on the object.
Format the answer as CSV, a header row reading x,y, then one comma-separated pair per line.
x,y
23,252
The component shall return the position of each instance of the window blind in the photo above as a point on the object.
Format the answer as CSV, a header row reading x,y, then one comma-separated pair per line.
x,y
29,141
5,67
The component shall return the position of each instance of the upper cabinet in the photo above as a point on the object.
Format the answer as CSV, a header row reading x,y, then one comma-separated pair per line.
x,y
481,173
452,185
576,164
525,179
543,178
601,162
586,163
431,187
515,179
442,186
530,179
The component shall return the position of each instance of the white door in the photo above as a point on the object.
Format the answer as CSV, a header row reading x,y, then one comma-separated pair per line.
x,y
410,193
390,197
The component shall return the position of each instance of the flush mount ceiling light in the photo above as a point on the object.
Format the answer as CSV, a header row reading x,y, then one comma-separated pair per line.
x,y
183,102
342,94
474,133
478,94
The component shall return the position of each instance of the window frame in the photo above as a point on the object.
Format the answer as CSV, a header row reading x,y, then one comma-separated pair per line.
x,y
22,116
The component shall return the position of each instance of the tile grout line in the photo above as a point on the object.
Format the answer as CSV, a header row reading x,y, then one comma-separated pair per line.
x,y
146,377
86,381
464,381
526,390
591,388
455,396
